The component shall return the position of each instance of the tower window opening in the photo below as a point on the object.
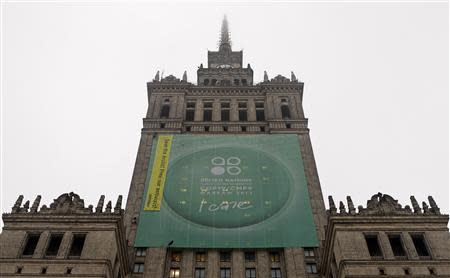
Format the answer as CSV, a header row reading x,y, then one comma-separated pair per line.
x,y
249,256
225,82
174,272
225,256
285,113
420,245
165,110
199,273
250,273
309,252
260,116
206,82
207,111
138,268
373,246
30,246
53,245
190,111
396,245
225,272
244,82
213,82
236,82
275,273
225,111
141,252
275,257
176,256
200,256
242,111
311,268
77,245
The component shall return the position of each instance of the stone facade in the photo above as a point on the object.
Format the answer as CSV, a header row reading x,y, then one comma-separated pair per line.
x,y
225,101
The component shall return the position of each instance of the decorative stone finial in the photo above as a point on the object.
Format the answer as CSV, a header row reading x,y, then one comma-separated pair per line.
x,y
108,207
156,77
426,209
332,205
351,206
293,77
185,76
342,208
36,203
17,204
100,203
415,205
118,205
266,77
26,206
434,208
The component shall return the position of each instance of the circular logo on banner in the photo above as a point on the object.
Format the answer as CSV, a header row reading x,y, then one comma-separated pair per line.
x,y
227,187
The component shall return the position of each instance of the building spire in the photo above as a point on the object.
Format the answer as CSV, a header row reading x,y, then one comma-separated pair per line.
x,y
225,41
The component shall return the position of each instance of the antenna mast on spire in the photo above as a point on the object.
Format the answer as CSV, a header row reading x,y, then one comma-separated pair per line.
x,y
225,40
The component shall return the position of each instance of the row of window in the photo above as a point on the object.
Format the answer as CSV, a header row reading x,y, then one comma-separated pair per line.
x,y
54,243
225,108
397,245
224,82
225,256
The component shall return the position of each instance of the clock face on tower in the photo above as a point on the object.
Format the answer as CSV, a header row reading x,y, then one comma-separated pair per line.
x,y
224,66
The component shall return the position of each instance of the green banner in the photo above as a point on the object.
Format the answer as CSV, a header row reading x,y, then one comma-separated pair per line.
x,y
229,191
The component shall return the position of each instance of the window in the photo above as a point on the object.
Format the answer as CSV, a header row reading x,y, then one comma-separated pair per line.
x,y
174,272
244,82
141,252
176,256
396,245
420,245
77,245
236,82
225,256
190,111
199,273
213,82
206,82
250,273
225,273
207,111
275,273
53,245
285,113
309,252
249,256
165,110
275,257
225,82
138,268
200,256
225,111
260,111
373,246
242,108
30,246
311,268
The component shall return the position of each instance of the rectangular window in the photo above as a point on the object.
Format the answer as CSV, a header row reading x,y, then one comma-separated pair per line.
x,y
199,273
225,256
242,115
311,268
200,256
420,245
260,116
190,111
174,272
396,245
250,273
207,111
275,257
225,111
275,273
138,268
77,245
309,252
175,256
249,256
373,246
225,272
30,246
53,245
141,252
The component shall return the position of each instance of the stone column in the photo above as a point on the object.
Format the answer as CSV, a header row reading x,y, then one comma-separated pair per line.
x,y
212,271
270,111
237,267
385,246
65,245
234,116
180,107
154,263
251,110
295,262
198,117
262,263
409,246
187,264
157,106
42,243
216,110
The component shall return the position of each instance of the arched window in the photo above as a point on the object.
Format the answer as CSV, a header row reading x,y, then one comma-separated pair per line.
x,y
206,82
285,112
165,110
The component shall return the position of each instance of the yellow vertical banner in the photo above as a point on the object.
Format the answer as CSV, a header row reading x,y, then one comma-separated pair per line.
x,y
155,189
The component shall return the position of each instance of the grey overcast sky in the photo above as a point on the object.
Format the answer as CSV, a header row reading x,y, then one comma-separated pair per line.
x,y
74,89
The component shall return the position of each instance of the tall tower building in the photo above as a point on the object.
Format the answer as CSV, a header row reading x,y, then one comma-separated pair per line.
x,y
225,185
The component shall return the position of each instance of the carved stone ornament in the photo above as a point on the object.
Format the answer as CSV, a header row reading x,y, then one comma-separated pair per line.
x,y
280,79
67,203
170,79
383,204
